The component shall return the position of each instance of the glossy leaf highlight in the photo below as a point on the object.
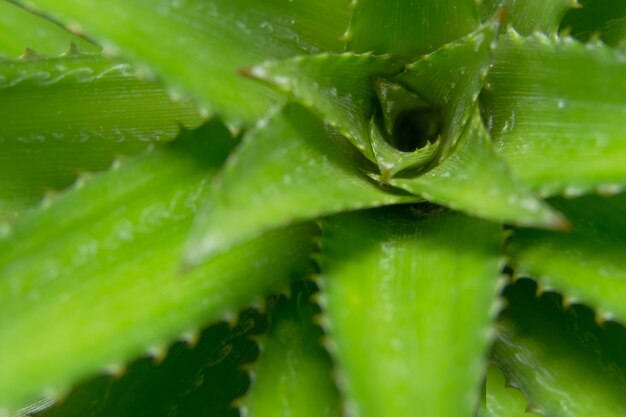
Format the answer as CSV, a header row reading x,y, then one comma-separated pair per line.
x,y
386,274
118,267
307,170
197,47
337,87
294,374
565,125
75,113
407,29
22,30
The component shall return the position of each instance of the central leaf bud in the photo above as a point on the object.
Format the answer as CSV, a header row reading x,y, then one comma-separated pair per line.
x,y
415,128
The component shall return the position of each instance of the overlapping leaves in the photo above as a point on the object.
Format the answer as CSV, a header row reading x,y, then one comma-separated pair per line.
x,y
106,257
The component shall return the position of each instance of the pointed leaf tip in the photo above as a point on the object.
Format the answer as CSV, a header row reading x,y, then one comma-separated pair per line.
x,y
337,87
308,170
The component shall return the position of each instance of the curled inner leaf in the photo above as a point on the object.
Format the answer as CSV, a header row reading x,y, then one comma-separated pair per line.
x,y
405,132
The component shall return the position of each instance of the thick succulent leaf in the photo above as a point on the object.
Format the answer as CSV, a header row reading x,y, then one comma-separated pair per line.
x,y
306,170
603,19
502,401
566,365
197,46
469,171
21,30
75,113
565,120
103,261
407,295
337,87
474,180
388,133
407,29
391,161
451,78
529,16
586,264
199,379
293,376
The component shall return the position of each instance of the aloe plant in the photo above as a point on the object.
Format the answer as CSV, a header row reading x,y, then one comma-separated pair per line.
x,y
279,207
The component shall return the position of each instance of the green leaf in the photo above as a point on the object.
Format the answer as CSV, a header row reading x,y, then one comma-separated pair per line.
x,y
474,180
469,176
565,120
184,382
407,29
586,264
598,19
400,112
21,30
293,376
529,16
562,360
392,161
451,78
336,87
501,401
197,46
408,293
307,171
117,268
75,113
395,100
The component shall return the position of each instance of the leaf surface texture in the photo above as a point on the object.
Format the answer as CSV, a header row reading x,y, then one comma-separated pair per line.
x,y
22,30
197,47
407,29
307,170
118,267
568,127
530,16
183,382
293,375
563,361
337,87
474,180
586,264
74,113
386,274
